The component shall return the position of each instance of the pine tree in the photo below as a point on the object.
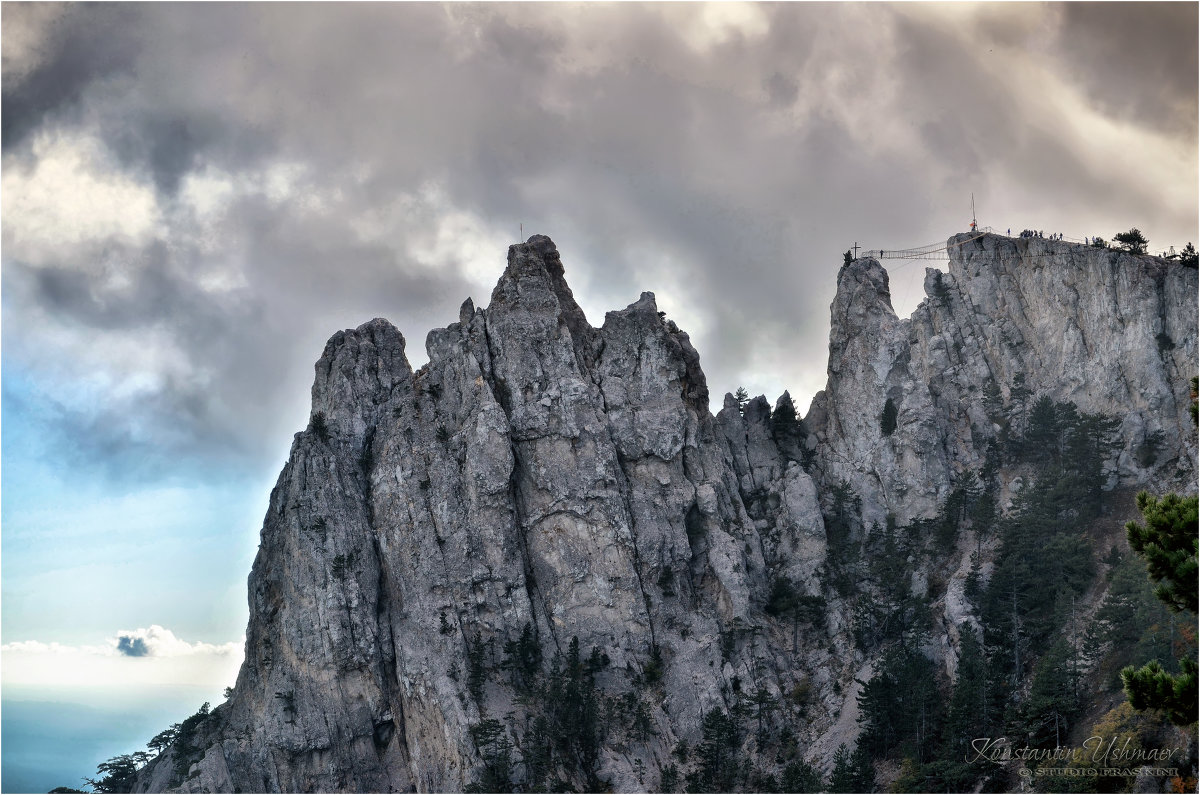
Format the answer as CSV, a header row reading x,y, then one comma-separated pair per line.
x,y
969,712
119,773
1168,542
1152,687
1041,442
899,707
786,427
1188,256
523,659
742,397
799,776
844,515
718,764
842,778
887,421
537,752
1052,704
1132,241
852,772
1091,439
1042,555
496,750
786,599
891,612
161,741
993,401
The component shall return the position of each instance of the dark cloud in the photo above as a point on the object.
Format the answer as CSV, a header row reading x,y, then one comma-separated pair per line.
x,y
728,174
132,646
781,90
1136,61
169,147
221,367
83,45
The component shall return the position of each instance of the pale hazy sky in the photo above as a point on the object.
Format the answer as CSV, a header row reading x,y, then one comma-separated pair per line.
x,y
195,197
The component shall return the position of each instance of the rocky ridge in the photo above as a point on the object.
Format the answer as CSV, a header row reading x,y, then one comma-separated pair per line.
x,y
541,477
1113,332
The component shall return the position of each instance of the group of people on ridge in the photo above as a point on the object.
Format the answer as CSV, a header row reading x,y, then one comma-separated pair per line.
x,y
1025,233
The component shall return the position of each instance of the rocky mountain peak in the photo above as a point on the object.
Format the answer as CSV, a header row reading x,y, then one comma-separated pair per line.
x,y
534,282
863,289
357,372
544,526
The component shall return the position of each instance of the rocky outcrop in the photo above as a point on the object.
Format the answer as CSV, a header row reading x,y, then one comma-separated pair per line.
x,y
1112,332
439,538
537,472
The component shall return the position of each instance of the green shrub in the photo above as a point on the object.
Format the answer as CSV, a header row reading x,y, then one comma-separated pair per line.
x,y
887,421
320,426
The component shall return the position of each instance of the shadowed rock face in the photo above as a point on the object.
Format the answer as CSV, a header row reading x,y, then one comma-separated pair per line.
x,y
542,473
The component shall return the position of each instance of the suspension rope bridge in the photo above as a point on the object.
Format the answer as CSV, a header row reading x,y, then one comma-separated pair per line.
x,y
932,251
941,251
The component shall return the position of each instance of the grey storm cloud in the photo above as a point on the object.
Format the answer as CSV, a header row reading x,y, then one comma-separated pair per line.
x,y
1138,64
79,47
722,156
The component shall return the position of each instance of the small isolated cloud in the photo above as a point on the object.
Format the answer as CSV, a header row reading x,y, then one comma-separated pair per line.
x,y
132,647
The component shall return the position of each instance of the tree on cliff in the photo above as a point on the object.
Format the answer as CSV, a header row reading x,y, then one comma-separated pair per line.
x,y
1169,542
887,422
788,429
1189,257
119,773
1132,241
742,397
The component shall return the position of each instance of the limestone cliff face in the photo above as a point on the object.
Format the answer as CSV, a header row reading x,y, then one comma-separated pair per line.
x,y
542,477
1114,333
537,471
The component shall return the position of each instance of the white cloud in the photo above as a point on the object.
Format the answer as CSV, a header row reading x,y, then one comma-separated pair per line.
x,y
72,197
169,660
26,27
161,642
709,25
